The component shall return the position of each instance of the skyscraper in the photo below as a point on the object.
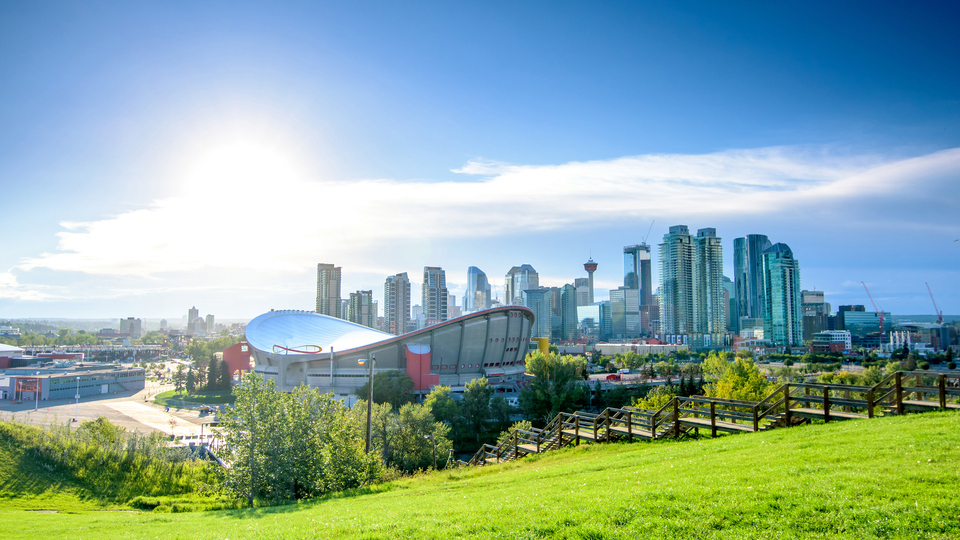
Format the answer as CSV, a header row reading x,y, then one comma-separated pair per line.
x,y
192,315
538,301
590,267
210,324
362,309
519,279
328,290
709,309
477,297
568,303
748,275
582,285
783,315
625,312
434,294
396,304
676,281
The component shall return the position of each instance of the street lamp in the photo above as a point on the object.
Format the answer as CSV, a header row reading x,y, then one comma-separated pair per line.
x,y
373,360
76,413
37,393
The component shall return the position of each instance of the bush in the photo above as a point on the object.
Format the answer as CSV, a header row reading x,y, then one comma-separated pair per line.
x,y
951,365
923,365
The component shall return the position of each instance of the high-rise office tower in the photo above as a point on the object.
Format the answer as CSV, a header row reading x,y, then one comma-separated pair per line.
x,y
568,302
625,312
676,281
590,267
519,279
636,271
328,290
538,301
396,304
730,300
192,315
434,294
453,310
748,275
210,324
132,326
582,285
477,297
816,313
783,314
709,309
362,309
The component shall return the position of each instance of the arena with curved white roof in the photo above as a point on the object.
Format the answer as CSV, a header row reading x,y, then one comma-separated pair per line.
x,y
303,347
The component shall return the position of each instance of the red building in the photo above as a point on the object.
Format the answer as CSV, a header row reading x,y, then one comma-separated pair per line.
x,y
238,357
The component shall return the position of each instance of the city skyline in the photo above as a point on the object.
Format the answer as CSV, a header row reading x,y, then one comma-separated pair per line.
x,y
158,157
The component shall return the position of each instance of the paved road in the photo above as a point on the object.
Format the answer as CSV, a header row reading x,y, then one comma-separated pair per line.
x,y
128,409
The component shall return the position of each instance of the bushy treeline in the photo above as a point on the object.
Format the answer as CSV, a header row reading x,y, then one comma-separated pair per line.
x,y
114,464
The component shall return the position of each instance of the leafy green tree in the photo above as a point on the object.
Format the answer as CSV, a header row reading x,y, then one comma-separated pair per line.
x,y
191,382
507,434
741,380
475,406
500,411
413,443
554,386
657,398
391,387
442,405
291,445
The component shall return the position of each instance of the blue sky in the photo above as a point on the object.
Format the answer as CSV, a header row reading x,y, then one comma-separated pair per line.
x,y
158,156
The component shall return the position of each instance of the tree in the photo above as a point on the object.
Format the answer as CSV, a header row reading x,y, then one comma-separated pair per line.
x,y
475,406
554,386
179,378
742,381
442,405
413,447
391,387
191,382
223,378
291,445
657,398
213,374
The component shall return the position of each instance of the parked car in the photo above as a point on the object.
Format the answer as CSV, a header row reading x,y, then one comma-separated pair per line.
x,y
613,377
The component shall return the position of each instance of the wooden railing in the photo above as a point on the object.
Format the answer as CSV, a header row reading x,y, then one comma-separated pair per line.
x,y
782,407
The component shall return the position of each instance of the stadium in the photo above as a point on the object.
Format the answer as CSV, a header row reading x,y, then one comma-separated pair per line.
x,y
303,347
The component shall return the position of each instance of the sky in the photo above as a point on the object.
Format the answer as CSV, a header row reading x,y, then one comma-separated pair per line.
x,y
158,156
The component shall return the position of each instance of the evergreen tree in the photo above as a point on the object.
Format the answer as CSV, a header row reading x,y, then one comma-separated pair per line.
x,y
213,373
224,378
191,382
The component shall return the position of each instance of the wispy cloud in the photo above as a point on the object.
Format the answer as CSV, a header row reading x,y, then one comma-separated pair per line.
x,y
268,220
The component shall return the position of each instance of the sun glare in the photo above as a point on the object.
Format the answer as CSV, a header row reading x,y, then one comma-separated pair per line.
x,y
239,168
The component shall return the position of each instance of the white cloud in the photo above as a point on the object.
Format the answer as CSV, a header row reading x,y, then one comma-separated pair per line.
x,y
250,213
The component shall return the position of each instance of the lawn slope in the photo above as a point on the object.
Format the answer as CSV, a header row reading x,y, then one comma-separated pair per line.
x,y
884,478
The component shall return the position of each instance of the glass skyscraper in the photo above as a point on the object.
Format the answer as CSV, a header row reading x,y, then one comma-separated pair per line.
x,y
709,309
434,294
676,281
783,315
748,276
477,297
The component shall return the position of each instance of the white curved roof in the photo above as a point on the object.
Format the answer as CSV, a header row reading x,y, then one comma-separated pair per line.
x,y
299,330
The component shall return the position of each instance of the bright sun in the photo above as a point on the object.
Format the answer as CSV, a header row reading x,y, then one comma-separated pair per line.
x,y
241,167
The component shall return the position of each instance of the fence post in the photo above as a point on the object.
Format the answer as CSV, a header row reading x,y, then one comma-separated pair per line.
x,y
919,394
870,403
676,417
898,384
516,453
756,421
630,426
595,439
653,426
713,419
576,428
942,384
826,403
786,403
538,441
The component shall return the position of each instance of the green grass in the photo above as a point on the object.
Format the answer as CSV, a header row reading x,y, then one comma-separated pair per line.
x,y
46,472
174,399
885,478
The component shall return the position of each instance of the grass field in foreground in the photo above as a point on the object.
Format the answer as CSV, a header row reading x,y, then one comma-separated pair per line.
x,y
174,399
885,478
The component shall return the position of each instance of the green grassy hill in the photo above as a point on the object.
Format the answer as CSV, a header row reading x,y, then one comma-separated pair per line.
x,y
885,478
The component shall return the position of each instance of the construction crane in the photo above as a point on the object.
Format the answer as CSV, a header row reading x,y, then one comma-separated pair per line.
x,y
875,308
935,308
